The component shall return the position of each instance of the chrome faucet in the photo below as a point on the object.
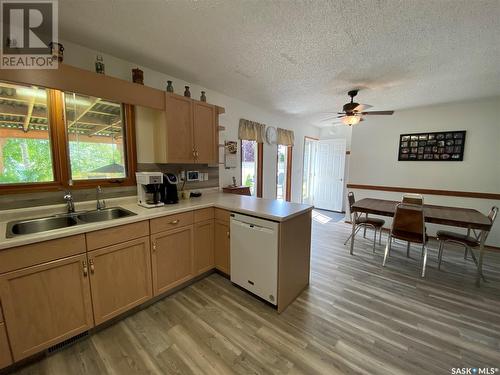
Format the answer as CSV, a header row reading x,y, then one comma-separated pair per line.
x,y
100,203
68,197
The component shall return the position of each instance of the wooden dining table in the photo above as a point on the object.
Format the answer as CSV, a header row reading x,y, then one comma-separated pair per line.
x,y
444,215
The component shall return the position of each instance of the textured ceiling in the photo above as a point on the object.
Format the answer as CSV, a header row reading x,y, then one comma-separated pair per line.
x,y
302,57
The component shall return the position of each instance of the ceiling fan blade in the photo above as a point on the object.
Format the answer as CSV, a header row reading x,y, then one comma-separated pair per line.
x,y
362,107
378,113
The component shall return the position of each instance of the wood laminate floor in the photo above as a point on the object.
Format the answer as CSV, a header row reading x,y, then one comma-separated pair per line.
x,y
356,317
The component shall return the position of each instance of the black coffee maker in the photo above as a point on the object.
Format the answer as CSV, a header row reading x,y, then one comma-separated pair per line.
x,y
169,192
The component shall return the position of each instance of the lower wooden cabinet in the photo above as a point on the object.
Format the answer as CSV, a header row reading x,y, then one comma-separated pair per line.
x,y
5,357
204,257
222,260
46,304
120,278
172,258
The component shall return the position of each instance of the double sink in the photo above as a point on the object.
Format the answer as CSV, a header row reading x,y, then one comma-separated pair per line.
x,y
43,224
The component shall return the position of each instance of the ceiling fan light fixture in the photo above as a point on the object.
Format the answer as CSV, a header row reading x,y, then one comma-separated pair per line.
x,y
351,120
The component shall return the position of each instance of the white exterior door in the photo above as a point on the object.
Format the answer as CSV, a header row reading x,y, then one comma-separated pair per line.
x,y
329,179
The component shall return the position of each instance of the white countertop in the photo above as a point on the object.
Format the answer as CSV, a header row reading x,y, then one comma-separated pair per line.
x,y
264,208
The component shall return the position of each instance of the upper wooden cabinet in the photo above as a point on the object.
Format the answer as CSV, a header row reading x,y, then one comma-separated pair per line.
x,y
205,133
190,133
46,304
179,137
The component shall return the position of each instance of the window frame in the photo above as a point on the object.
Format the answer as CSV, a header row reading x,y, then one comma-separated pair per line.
x,y
60,151
260,164
288,185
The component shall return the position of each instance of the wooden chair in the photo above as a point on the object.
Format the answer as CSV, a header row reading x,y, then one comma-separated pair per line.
x,y
466,240
413,199
408,225
365,222
410,198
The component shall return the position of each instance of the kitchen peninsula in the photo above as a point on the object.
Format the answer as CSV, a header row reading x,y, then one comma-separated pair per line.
x,y
63,282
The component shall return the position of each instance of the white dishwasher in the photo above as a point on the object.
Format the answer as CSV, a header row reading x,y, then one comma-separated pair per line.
x,y
254,255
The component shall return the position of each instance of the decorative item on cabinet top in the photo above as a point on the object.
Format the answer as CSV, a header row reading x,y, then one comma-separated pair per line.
x,y
170,87
138,76
187,93
203,97
99,65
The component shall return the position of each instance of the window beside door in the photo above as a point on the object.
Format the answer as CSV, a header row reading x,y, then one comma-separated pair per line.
x,y
251,166
283,173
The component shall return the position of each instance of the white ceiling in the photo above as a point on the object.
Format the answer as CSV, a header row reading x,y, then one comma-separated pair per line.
x,y
302,57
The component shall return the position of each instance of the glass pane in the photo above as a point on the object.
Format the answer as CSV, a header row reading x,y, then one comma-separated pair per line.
x,y
96,137
281,172
249,165
25,145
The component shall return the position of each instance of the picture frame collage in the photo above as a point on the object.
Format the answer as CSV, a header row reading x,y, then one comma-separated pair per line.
x,y
432,146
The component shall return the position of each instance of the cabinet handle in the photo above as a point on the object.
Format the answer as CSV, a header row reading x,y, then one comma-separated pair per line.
x,y
92,268
174,221
228,234
154,245
85,269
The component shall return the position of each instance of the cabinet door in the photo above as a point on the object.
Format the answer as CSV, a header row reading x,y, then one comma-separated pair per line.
x,y
205,133
46,304
179,118
120,278
5,357
172,256
222,246
204,246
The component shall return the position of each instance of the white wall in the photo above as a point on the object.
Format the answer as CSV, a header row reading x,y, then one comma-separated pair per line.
x,y
374,154
84,58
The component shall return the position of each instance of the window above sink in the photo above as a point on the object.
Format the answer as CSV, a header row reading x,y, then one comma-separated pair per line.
x,y
50,140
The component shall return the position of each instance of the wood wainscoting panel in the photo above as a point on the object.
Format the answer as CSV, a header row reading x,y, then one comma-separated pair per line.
x,y
294,258
450,193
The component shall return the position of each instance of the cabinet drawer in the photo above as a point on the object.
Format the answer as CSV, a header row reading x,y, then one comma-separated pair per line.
x,y
221,214
41,252
113,236
5,357
171,222
203,214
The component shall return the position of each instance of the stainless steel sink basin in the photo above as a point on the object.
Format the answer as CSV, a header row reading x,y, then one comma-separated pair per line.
x,y
104,214
30,226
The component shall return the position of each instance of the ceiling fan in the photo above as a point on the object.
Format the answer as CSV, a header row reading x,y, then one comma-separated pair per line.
x,y
352,112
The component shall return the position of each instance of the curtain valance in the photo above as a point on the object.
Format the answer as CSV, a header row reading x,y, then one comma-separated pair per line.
x,y
285,137
251,131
